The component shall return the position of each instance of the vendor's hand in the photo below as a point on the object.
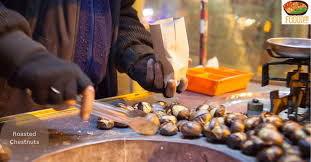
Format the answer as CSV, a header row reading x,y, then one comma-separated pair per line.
x,y
155,76
52,80
148,73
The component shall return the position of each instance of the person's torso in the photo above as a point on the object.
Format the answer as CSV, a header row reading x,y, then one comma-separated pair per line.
x,y
55,24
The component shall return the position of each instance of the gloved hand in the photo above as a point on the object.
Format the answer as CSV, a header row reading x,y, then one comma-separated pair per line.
x,y
148,73
51,80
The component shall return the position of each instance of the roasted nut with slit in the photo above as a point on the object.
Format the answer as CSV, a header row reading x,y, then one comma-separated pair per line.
x,y
269,154
230,117
218,134
237,126
219,111
168,129
179,111
234,140
105,124
159,106
252,122
270,136
191,129
203,107
274,119
144,106
201,116
168,118
180,123
253,145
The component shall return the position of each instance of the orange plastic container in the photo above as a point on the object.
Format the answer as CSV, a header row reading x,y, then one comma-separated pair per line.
x,y
214,82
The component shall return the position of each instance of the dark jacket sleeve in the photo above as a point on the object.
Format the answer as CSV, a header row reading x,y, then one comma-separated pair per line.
x,y
134,41
15,41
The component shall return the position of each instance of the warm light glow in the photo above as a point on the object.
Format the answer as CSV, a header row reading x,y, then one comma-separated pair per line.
x,y
148,12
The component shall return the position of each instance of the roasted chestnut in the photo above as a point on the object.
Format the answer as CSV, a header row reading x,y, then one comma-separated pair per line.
x,y
234,140
191,129
266,114
168,118
291,149
252,145
230,117
290,158
160,114
209,126
218,111
218,134
307,128
270,136
203,107
274,119
269,154
180,123
103,123
179,111
159,106
304,146
168,129
298,134
237,126
221,120
265,125
252,122
201,116
144,106
153,118
251,133
290,126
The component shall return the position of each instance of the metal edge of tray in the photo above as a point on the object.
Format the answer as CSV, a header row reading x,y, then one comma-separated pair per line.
x,y
51,113
152,139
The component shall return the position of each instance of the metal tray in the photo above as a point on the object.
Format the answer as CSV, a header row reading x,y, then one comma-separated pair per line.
x,y
299,48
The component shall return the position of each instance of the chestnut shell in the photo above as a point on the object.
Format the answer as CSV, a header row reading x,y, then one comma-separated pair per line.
x,y
144,106
191,129
168,129
234,140
105,124
252,122
218,134
201,116
179,111
168,118
271,137
180,123
237,126
269,154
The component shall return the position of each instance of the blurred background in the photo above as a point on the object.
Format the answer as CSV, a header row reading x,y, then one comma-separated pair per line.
x,y
236,32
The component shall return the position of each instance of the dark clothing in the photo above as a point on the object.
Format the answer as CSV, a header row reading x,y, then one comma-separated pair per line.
x,y
55,25
94,38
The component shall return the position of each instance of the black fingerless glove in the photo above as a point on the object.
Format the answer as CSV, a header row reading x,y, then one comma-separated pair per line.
x,y
138,72
50,79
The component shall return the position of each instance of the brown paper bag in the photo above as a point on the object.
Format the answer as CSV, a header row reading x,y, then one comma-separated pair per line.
x,y
170,43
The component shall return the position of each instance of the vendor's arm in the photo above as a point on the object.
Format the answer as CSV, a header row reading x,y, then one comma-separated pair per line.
x,y
26,64
135,54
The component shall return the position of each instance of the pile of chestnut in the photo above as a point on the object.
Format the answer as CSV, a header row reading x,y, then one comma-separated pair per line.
x,y
268,137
